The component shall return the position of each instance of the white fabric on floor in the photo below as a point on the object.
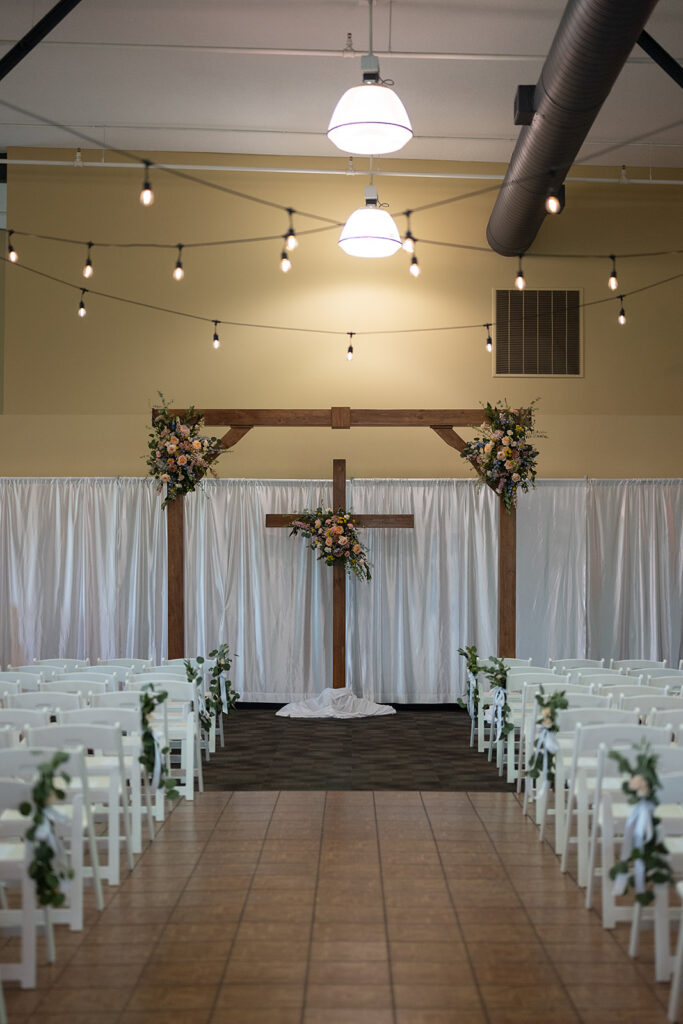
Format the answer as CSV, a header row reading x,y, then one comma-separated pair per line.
x,y
339,703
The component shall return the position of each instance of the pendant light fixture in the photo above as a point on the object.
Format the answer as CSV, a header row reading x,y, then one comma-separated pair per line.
x,y
370,232
370,119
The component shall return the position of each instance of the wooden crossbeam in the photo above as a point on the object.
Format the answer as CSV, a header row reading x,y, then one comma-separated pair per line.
x,y
338,417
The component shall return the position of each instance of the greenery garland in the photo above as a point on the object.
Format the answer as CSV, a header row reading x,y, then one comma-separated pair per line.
x,y
335,537
496,672
221,697
501,452
178,456
644,857
45,868
473,667
542,762
152,755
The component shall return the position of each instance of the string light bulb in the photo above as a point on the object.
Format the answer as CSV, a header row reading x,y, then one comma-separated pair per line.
x,y
612,280
349,351
489,342
414,267
87,266
81,305
285,262
11,251
621,315
178,272
520,282
216,340
554,201
291,241
146,193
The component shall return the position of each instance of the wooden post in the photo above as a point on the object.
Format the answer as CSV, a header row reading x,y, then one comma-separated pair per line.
x,y
339,585
175,539
507,581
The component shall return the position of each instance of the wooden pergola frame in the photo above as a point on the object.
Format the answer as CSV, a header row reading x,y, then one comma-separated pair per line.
x,y
241,421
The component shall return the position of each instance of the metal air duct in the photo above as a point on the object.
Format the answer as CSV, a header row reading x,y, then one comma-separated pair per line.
x,y
591,45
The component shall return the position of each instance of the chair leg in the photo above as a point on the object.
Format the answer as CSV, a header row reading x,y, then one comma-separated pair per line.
x,y
675,993
49,937
636,922
662,946
94,858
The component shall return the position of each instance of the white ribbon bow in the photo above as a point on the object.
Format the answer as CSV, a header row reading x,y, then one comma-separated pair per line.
x,y
156,772
499,696
471,688
638,831
46,832
545,744
224,695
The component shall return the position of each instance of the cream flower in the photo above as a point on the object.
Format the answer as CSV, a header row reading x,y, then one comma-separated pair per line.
x,y
165,477
171,448
639,785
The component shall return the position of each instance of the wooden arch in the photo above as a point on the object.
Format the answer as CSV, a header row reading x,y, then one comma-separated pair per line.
x,y
241,421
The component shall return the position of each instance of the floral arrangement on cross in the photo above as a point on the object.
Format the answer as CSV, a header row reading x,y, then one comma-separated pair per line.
x,y
644,862
334,536
502,454
179,456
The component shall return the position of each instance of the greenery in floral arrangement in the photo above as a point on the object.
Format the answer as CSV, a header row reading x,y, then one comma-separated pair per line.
x,y
644,862
178,456
502,453
335,538
221,697
542,762
48,868
470,655
496,672
152,755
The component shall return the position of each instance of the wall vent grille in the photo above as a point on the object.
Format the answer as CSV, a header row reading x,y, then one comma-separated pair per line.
x,y
538,333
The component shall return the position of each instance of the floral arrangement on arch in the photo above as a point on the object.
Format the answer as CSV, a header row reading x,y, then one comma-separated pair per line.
x,y
501,452
178,455
333,535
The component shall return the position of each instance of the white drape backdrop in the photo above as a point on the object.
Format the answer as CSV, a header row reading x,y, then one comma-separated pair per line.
x,y
600,573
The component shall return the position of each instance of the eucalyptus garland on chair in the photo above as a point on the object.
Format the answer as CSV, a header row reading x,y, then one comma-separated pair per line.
x,y
473,667
496,672
221,697
48,869
542,762
644,857
152,754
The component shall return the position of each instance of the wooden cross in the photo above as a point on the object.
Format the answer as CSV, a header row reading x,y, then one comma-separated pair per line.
x,y
241,421
390,521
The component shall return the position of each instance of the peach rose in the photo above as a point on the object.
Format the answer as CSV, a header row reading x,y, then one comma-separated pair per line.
x,y
182,460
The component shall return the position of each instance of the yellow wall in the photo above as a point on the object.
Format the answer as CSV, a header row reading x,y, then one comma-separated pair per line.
x,y
77,393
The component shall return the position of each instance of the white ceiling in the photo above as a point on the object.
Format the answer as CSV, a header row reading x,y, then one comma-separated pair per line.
x,y
154,75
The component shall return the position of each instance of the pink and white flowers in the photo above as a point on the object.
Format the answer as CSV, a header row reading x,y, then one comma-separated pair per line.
x,y
334,536
178,456
502,454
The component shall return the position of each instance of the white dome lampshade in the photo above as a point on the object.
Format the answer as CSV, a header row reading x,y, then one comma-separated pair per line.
x,y
370,232
370,120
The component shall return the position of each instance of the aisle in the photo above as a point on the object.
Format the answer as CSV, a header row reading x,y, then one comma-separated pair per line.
x,y
345,908
414,750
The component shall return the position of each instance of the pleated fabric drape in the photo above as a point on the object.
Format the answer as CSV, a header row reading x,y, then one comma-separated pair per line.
x,y
600,573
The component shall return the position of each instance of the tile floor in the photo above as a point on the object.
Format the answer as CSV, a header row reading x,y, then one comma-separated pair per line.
x,y
344,908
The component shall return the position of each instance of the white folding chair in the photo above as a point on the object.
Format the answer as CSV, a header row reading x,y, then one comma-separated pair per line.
x,y
63,664
21,718
31,675
20,680
173,669
655,673
84,687
52,702
631,690
651,702
628,663
8,687
76,821
106,780
134,665
128,721
119,673
92,675
570,664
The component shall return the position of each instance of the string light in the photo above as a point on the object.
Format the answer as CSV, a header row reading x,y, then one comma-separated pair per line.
x,y
349,351
285,262
489,343
11,251
81,305
216,339
520,283
146,194
612,282
87,266
178,272
554,201
408,241
621,315
414,267
291,241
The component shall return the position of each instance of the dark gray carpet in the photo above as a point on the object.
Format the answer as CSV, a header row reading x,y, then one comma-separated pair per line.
x,y
415,749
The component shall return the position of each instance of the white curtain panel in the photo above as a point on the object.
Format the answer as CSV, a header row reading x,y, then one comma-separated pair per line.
x,y
83,567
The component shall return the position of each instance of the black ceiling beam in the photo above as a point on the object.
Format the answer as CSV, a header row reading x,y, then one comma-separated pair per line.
x,y
660,56
35,35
